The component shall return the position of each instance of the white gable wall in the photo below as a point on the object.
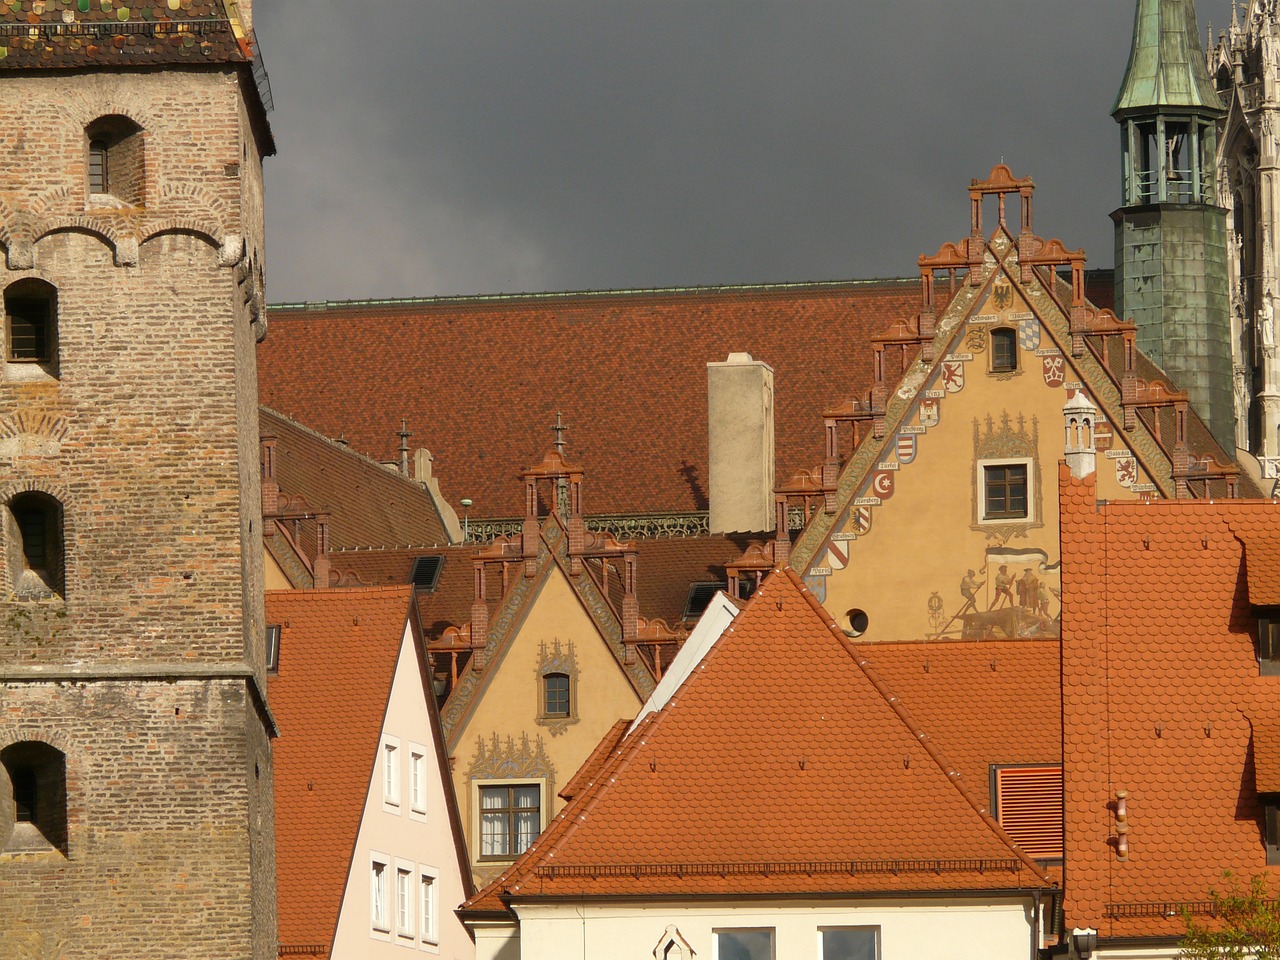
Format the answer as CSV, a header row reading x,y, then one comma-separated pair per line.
x,y
404,835
957,928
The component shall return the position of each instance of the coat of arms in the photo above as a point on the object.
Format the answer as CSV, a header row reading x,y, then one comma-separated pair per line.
x,y
882,484
862,519
1126,471
1055,371
906,447
1029,333
930,412
1002,294
953,375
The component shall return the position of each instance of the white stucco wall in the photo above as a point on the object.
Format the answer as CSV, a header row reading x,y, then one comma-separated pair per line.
x,y
419,840
959,929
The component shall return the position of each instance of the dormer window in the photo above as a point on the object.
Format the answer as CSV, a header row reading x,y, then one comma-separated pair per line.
x,y
1004,350
114,162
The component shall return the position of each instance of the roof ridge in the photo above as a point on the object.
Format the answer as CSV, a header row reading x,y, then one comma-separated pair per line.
x,y
900,709
345,593
343,448
782,286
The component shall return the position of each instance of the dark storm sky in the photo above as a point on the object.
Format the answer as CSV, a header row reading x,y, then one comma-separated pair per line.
x,y
433,147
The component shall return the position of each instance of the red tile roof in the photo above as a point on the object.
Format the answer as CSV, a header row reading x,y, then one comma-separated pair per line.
x,y
37,33
826,784
1160,688
480,380
991,702
370,506
338,651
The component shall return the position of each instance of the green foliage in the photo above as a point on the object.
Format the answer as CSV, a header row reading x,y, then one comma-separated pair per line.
x,y
1245,924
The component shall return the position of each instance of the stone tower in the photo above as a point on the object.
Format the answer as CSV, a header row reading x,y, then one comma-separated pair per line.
x,y
1245,64
1171,272
135,754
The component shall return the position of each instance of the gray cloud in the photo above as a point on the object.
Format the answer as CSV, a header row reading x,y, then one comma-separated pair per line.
x,y
476,146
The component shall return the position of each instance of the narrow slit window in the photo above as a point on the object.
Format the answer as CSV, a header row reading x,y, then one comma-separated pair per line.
x,y
98,165
30,308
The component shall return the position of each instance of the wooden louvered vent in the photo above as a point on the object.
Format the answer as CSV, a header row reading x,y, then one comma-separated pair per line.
x,y
1029,801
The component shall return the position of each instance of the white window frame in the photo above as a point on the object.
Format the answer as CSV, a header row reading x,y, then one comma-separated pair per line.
x,y
405,907
418,780
389,756
379,895
981,480
772,931
873,927
429,906
477,812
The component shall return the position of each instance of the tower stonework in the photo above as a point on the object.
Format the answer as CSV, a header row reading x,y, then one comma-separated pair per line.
x,y
135,737
1171,271
1245,63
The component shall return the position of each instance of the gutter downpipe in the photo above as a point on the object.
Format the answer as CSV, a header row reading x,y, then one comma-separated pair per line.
x,y
1035,926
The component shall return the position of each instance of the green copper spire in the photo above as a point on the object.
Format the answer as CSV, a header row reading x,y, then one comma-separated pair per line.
x,y
1166,65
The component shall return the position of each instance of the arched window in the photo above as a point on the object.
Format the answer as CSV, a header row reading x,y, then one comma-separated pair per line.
x,y
37,779
33,534
114,162
1004,350
556,695
31,323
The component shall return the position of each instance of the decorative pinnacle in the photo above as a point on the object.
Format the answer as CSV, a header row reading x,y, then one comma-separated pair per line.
x,y
559,427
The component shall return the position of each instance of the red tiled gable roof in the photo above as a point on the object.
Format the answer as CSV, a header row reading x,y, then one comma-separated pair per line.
x,y
370,505
1160,688
827,784
481,380
992,702
65,33
338,651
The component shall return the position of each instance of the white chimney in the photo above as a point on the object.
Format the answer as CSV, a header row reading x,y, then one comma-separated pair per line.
x,y
740,442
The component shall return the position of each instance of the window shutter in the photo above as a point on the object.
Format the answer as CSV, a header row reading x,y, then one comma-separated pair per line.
x,y
1029,800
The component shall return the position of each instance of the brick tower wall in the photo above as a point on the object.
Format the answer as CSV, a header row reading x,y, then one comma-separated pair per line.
x,y
148,671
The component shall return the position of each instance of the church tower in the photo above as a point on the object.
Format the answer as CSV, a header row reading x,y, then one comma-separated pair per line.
x,y
1171,272
135,754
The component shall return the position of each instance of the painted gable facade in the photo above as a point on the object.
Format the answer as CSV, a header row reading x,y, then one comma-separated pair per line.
x,y
943,521
553,665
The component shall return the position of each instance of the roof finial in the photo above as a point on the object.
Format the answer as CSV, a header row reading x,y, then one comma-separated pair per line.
x,y
559,427
404,435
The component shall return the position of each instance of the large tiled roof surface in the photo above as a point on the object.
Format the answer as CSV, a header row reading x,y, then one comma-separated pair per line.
x,y
825,784
1160,688
338,651
480,381
370,505
80,33
988,702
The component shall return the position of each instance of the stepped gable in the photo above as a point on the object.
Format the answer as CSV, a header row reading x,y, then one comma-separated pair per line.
x,y
338,652
628,370
992,702
368,505
828,784
80,33
1162,699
